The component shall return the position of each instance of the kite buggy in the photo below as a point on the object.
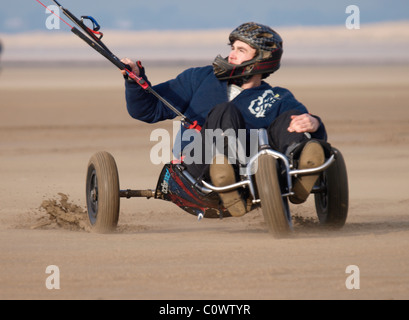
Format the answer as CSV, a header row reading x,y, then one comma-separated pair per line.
x,y
268,187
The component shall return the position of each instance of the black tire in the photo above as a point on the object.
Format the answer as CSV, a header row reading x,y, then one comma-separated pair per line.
x,y
102,192
333,202
272,203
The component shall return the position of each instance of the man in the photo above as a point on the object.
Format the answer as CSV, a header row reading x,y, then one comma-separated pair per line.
x,y
231,95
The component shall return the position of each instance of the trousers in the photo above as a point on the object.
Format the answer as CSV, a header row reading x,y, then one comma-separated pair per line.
x,y
226,118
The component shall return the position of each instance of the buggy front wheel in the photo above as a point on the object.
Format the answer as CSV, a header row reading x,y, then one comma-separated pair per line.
x,y
273,206
102,192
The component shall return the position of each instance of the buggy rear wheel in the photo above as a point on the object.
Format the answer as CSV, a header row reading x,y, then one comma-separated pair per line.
x,y
333,201
274,208
102,193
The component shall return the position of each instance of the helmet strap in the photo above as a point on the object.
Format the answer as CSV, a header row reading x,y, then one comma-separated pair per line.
x,y
240,81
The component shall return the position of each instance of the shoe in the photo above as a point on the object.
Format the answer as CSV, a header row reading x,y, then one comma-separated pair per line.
x,y
312,156
222,174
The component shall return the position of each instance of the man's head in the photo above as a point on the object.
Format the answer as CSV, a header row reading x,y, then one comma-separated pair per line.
x,y
256,49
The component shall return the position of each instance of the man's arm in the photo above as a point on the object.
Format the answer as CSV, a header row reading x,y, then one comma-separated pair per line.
x,y
146,107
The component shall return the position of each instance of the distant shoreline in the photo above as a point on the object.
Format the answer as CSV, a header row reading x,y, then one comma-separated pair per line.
x,y
191,63
373,44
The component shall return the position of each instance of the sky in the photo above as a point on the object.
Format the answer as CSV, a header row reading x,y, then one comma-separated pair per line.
x,y
19,16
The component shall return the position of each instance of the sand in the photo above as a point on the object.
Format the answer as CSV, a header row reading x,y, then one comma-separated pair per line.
x,y
53,119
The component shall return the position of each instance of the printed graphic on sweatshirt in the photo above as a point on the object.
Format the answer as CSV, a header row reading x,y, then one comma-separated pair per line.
x,y
259,106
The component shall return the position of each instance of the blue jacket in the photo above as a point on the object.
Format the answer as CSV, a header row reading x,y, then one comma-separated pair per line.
x,y
197,90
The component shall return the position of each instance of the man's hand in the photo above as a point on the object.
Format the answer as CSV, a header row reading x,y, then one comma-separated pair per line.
x,y
303,123
133,66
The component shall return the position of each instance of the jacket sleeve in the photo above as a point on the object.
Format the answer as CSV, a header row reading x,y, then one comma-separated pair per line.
x,y
291,103
321,133
146,107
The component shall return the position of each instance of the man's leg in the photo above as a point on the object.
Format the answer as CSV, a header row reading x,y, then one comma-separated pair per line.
x,y
309,152
216,166
222,118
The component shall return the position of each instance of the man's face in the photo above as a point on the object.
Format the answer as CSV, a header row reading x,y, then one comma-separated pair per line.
x,y
241,52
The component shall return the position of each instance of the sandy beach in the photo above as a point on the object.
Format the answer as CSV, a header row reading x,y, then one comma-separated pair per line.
x,y
52,119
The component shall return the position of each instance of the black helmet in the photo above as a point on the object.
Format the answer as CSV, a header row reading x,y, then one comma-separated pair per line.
x,y
268,44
